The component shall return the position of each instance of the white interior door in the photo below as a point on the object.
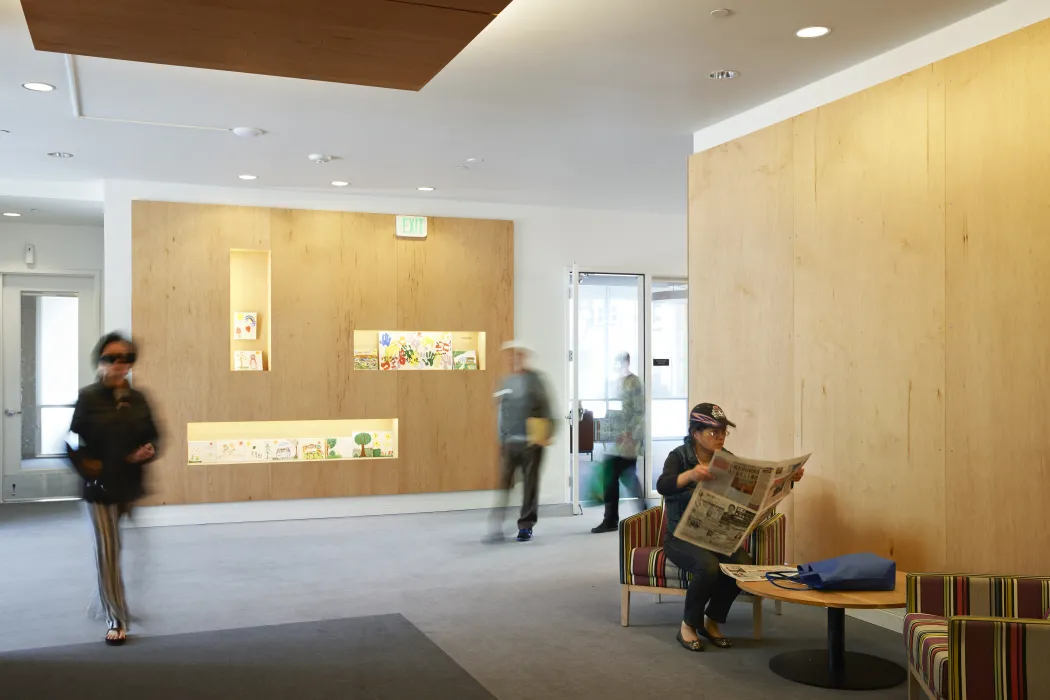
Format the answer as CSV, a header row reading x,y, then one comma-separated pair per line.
x,y
49,325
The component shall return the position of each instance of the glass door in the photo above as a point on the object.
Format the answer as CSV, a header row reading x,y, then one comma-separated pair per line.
x,y
669,371
50,323
608,332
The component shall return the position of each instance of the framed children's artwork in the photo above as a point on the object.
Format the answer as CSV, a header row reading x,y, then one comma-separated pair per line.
x,y
244,325
202,452
247,360
313,448
231,451
282,450
465,359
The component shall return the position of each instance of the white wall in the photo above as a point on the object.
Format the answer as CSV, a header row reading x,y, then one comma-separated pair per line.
x,y
1003,19
547,242
58,248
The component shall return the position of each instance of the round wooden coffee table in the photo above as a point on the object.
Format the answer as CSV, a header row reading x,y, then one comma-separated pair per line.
x,y
835,667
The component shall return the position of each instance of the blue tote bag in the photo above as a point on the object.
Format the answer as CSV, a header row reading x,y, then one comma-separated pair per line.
x,y
851,572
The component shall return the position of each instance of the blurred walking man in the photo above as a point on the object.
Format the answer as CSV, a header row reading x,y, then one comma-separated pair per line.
x,y
621,461
525,429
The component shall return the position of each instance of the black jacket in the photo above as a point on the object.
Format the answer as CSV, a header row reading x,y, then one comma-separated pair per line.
x,y
110,431
681,459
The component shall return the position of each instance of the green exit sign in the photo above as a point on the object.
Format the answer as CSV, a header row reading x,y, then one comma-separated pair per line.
x,y
411,226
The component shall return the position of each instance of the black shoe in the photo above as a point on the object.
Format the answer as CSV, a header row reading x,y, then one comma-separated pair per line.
x,y
525,535
605,527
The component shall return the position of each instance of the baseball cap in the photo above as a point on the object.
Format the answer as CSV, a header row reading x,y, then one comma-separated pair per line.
x,y
708,415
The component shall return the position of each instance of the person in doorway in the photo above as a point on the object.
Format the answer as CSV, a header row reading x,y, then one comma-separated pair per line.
x,y
525,429
117,438
621,460
710,592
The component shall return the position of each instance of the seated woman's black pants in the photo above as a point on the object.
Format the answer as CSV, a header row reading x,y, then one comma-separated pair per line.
x,y
710,592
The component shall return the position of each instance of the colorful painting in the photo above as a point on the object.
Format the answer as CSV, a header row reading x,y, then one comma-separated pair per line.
x,y
366,359
247,360
420,350
202,452
231,451
465,359
311,449
244,324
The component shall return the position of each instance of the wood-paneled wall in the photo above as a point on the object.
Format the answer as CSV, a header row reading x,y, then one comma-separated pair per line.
x,y
331,273
877,272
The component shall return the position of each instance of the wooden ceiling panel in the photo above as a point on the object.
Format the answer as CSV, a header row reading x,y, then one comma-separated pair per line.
x,y
383,43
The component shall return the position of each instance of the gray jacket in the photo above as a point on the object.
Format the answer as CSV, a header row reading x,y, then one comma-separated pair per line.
x,y
522,396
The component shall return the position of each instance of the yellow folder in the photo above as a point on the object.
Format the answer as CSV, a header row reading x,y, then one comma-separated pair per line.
x,y
538,430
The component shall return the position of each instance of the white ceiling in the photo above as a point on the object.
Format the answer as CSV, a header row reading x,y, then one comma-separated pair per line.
x,y
54,212
588,103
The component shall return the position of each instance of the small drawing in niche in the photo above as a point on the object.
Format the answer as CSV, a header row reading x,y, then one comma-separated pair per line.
x,y
363,439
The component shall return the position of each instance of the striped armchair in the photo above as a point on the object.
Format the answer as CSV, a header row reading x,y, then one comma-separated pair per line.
x,y
978,637
645,569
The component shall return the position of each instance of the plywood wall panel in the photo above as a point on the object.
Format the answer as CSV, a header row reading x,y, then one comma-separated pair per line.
x,y
869,325
740,305
998,305
331,273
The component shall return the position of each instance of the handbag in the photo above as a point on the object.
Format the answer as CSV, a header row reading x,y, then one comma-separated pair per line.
x,y
851,572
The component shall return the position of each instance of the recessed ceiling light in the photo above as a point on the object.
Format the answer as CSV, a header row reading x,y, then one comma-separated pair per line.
x,y
722,13
248,177
247,132
340,183
60,154
475,161
812,32
425,189
11,213
38,87
724,74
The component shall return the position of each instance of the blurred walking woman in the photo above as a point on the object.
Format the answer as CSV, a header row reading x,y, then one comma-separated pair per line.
x,y
117,439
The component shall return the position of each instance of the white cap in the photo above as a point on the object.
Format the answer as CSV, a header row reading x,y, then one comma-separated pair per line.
x,y
517,345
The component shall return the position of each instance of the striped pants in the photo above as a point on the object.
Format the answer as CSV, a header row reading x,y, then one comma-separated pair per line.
x,y
105,521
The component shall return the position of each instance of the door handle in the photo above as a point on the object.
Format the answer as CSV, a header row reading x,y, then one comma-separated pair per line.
x,y
8,412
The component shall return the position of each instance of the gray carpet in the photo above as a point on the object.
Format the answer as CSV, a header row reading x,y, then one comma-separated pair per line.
x,y
527,620
376,658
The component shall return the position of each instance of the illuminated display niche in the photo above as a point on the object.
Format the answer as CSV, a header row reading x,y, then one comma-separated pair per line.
x,y
291,441
419,350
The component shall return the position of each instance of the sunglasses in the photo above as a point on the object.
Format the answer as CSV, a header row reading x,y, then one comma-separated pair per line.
x,y
126,358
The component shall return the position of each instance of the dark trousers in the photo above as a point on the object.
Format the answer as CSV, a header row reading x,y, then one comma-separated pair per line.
x,y
525,458
619,469
710,592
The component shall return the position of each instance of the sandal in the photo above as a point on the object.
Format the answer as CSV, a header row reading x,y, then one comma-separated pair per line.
x,y
116,637
696,645
720,642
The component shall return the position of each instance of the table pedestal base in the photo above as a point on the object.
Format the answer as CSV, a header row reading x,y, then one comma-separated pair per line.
x,y
835,667
858,672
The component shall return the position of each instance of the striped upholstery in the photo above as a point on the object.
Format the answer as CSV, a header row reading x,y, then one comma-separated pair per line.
x,y
984,596
980,637
927,640
642,559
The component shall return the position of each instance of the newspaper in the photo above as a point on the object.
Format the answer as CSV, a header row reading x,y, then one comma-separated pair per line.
x,y
724,511
747,572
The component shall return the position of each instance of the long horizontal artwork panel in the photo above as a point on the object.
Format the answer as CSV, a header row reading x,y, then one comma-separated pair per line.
x,y
419,350
291,441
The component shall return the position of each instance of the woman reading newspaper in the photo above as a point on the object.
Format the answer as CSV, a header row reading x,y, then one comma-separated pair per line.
x,y
711,592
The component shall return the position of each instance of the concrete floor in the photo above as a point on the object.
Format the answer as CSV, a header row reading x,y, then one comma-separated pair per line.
x,y
528,620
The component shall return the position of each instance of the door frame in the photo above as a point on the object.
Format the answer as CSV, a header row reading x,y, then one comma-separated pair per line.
x,y
572,342
650,457
95,276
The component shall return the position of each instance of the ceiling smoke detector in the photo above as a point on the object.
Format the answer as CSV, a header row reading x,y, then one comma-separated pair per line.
x,y
722,13
247,132
60,154
724,75
320,158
